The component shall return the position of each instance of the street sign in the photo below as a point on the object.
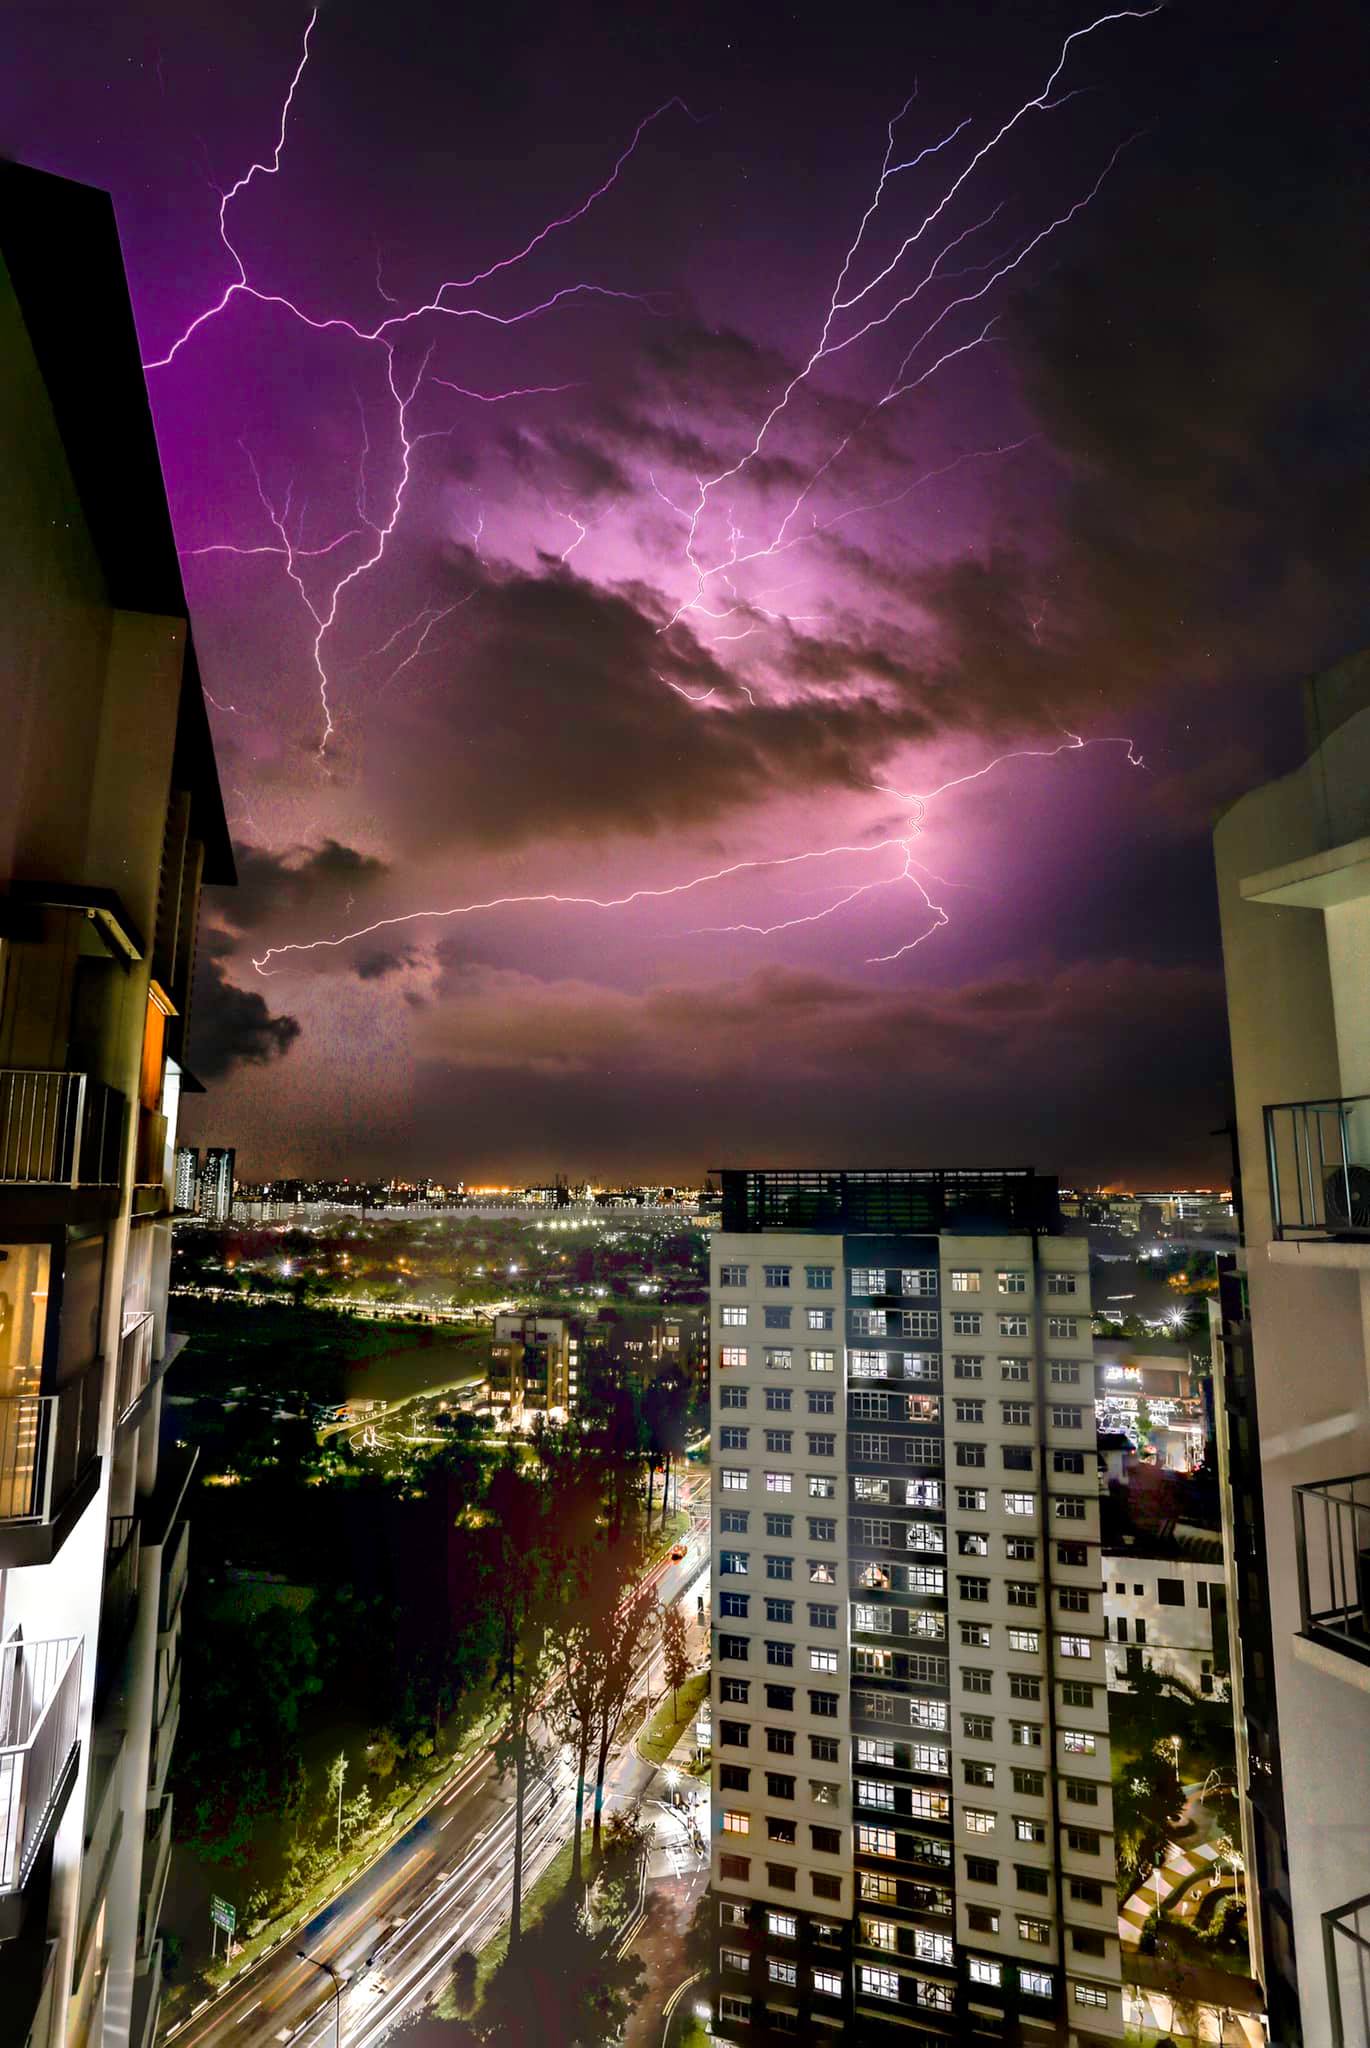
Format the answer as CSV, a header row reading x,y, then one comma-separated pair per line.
x,y
223,1915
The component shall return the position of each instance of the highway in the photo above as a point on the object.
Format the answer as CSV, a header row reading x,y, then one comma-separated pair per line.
x,y
443,1886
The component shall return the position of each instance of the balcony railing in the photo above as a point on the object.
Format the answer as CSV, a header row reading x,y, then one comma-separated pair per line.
x,y
40,1691
175,1565
122,1555
46,1443
1318,1155
58,1129
1346,1952
135,1359
1332,1539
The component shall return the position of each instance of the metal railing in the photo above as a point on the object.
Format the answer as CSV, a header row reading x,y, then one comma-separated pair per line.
x,y
46,1443
156,1864
122,1553
1318,1158
40,1694
1346,1954
135,1359
59,1129
1332,1544
175,1566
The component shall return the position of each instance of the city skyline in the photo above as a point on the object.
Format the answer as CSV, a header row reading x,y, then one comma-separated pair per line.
x,y
512,711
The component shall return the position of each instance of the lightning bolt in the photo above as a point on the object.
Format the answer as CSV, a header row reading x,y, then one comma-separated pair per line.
x,y
899,843
383,335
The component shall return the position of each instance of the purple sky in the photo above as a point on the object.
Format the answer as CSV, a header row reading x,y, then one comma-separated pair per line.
x,y
551,591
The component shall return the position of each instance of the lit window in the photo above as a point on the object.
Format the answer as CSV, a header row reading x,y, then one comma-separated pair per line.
x,y
1020,1503
822,1486
1090,1994
1013,1326
780,1971
963,1282
733,1315
1012,1280
733,1481
784,1925
779,1360
828,1983
982,1971
918,1280
779,1482
978,1819
933,1948
733,1356
822,1660
1035,1983
1024,1639
868,1280
1077,1742
878,1983
1075,1646
737,1823
1036,1931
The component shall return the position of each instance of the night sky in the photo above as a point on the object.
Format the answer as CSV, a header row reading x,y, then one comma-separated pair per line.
x,y
1076,453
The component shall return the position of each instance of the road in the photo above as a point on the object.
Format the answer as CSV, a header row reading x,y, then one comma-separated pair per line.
x,y
443,1886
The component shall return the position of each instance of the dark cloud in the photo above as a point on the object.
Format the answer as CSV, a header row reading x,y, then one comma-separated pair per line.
x,y
379,965
321,877
231,1027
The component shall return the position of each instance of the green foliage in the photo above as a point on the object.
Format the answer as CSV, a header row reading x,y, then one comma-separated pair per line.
x,y
565,1990
1148,1804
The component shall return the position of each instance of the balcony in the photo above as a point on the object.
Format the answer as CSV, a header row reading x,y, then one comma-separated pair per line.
x,y
49,1466
135,1360
1346,1954
40,1688
58,1129
175,1565
1318,1157
120,1602
1332,1540
156,1865
164,1734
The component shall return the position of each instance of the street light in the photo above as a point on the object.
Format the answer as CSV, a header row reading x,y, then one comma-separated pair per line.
x,y
337,1992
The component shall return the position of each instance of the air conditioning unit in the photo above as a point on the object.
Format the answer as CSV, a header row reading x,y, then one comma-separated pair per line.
x,y
1347,1196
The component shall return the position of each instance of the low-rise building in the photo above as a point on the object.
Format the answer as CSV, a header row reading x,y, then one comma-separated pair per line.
x,y
535,1362
1165,1605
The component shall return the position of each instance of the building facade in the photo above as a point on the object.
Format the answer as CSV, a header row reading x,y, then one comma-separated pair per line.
x,y
911,1796
1165,1606
110,818
216,1185
187,1182
535,1363
1293,868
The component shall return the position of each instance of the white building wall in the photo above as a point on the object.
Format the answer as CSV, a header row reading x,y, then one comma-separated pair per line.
x,y
1174,1636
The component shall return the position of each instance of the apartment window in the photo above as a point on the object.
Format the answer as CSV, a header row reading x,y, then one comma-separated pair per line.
x,y
775,1276
1024,1639
780,1482
780,1525
1170,1592
779,1567
878,1983
982,1869
917,1535
963,1282
822,1444
733,1315
732,1397
1068,1461
1020,1503
926,1713
822,1529
982,1920
1064,1373
823,1361
1075,1646
736,1823
733,1521
779,1610
783,1926
1024,1685
1074,1693
780,1741
967,1368
979,1820
1086,1891
918,1280
1017,1457
1015,1369
1071,1507
1067,1415
822,1401
818,1278
780,1698
929,1805
823,1705
778,1399
732,1276
733,1480
1026,1734
970,1543
975,1678
923,1493
1021,1592
735,1691
972,1588
869,1322
781,1877
871,1841
970,1454
735,1870
733,1563
780,1654
1012,1280
779,1786
1028,1830
874,1792
780,1971
822,1616
825,1886
923,1578
1076,1554
734,1734
1023,1550
1085,1841
918,1322
1030,1879
734,1777
823,1750
1035,1983
823,1660
1090,1994
1082,1791
982,1971
779,1442
776,1318
1063,1326
1036,1931
966,1322
734,1959
1061,1283
732,1438
1016,1414
828,1982
819,1319
977,1727
784,1831
933,1948
822,1486
1029,1784
734,1647
1074,1599
779,1360
868,1280
972,1499
967,1409
732,1355
823,1791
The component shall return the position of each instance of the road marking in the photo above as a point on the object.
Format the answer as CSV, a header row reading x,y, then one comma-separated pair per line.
x,y
243,2015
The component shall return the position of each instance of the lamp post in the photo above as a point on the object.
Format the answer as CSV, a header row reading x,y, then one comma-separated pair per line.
x,y
337,1992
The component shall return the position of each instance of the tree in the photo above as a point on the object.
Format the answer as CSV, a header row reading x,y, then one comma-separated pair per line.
x,y
521,1591
337,1773
624,1630
675,1651
1148,1804
383,1752
1179,1980
463,1980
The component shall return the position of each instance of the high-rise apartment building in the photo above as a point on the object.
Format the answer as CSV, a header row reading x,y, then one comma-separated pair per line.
x,y
911,1795
110,818
216,1185
187,1185
1293,865
535,1362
